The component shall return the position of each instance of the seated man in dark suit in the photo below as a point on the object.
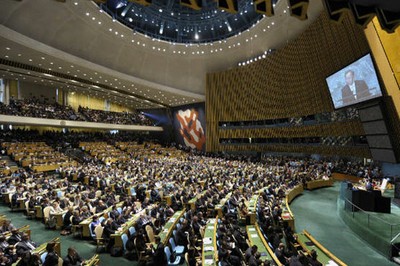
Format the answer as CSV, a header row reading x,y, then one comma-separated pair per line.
x,y
15,237
182,235
159,257
109,229
73,258
313,260
52,257
280,254
25,245
250,251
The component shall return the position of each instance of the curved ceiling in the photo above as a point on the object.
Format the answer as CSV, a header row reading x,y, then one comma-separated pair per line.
x,y
78,33
171,21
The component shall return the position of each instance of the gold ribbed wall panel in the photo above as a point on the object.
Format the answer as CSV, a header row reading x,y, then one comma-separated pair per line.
x,y
361,152
288,83
349,128
75,100
119,108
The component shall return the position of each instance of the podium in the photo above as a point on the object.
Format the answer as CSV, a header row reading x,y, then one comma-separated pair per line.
x,y
372,201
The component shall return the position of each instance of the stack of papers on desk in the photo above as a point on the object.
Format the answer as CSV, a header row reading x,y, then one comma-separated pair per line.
x,y
332,263
207,240
208,248
209,262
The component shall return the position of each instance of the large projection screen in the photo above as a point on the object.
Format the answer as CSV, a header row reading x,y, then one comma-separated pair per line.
x,y
354,83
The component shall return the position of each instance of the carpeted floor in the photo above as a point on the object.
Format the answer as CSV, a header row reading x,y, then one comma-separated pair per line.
x,y
316,211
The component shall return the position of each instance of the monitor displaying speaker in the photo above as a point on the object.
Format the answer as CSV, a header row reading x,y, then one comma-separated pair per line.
x,y
354,83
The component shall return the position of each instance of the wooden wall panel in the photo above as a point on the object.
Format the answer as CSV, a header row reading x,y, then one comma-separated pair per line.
x,y
77,99
349,128
288,83
361,152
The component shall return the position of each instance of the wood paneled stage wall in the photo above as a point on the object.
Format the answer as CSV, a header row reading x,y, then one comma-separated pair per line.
x,y
288,83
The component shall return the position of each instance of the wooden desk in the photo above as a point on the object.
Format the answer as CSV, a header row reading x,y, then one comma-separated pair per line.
x,y
287,214
253,208
294,192
319,183
6,197
309,243
38,211
86,223
21,203
42,248
257,238
125,227
210,251
59,218
343,177
192,202
169,227
221,204
168,200
93,261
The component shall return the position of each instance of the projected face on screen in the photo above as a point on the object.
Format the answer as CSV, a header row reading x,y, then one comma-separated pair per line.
x,y
355,83
191,129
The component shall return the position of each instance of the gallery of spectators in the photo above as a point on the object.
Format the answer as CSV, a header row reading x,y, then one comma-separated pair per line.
x,y
250,93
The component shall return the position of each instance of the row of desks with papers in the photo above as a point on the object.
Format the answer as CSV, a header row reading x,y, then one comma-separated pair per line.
x,y
252,207
256,238
309,243
169,227
86,223
219,207
192,202
306,241
125,227
210,251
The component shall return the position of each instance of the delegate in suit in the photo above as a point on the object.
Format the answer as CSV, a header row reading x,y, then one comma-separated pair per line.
x,y
354,90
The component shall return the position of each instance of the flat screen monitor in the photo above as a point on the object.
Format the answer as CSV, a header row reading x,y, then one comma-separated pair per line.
x,y
354,83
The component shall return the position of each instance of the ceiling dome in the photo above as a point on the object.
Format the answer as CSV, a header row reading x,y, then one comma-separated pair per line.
x,y
170,21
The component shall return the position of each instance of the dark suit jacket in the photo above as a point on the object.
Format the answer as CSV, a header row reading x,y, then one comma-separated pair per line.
x,y
72,261
51,259
14,239
362,92
108,230
22,247
159,257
